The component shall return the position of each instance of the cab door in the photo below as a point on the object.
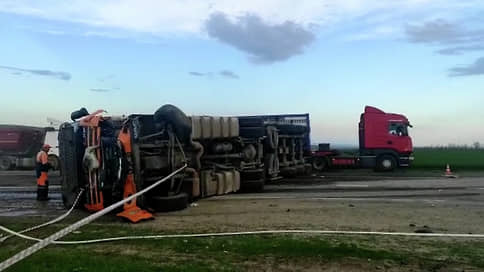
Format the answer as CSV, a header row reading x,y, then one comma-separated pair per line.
x,y
398,138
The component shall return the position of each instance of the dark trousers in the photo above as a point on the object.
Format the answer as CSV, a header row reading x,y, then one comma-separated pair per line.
x,y
43,192
42,184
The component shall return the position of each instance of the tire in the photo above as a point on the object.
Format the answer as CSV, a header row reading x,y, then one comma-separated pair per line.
x,y
252,181
308,169
300,169
169,203
181,123
289,172
54,162
320,164
253,186
79,114
5,163
386,163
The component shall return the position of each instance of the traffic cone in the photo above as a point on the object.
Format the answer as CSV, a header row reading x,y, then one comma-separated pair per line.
x,y
447,171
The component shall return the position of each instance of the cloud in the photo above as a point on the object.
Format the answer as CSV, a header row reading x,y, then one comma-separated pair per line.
x,y
458,50
437,31
223,73
197,74
47,73
169,17
229,74
477,68
145,15
265,43
100,90
455,38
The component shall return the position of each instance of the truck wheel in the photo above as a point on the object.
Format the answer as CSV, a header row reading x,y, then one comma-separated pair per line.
x,y
386,163
289,172
300,170
181,123
54,162
79,114
320,164
169,203
252,186
5,163
252,181
308,169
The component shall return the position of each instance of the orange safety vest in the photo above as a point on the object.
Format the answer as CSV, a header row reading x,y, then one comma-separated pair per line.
x,y
42,159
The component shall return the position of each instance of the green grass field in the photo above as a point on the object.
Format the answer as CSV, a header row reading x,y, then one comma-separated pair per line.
x,y
242,253
458,159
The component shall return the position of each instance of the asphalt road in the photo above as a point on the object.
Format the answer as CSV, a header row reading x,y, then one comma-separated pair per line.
x,y
465,191
18,191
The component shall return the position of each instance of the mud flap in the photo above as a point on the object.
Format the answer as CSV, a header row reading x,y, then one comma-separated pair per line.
x,y
130,211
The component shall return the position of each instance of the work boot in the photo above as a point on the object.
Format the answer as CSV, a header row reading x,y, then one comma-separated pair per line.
x,y
42,193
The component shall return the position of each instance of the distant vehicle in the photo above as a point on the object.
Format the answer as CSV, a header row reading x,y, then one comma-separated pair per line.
x,y
384,144
51,139
19,146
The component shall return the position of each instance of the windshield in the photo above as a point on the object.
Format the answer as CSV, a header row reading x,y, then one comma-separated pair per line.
x,y
398,129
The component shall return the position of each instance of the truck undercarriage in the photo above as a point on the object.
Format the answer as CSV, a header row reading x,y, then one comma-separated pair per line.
x,y
113,158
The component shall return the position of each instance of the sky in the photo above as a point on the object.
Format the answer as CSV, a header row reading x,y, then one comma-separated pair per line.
x,y
328,58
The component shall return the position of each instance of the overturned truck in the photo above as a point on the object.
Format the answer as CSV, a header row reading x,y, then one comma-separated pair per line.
x,y
113,157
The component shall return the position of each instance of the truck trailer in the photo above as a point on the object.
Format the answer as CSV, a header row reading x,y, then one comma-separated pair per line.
x,y
20,144
384,144
114,157
287,142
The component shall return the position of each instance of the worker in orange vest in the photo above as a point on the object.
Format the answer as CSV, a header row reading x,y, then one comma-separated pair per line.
x,y
42,168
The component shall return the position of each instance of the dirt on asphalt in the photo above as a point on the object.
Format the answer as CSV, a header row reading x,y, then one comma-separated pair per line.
x,y
260,214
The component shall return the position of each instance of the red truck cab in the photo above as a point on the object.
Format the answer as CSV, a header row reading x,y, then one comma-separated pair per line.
x,y
384,144
384,139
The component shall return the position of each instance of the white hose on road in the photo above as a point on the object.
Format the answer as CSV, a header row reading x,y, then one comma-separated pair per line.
x,y
3,239
43,243
259,232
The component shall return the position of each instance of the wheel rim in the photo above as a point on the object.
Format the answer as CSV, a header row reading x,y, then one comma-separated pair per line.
x,y
386,163
4,164
319,164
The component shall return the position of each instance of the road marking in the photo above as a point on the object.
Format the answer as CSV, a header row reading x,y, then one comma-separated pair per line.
x,y
352,185
26,187
215,198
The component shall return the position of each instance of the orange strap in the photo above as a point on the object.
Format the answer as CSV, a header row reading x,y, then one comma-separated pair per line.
x,y
42,180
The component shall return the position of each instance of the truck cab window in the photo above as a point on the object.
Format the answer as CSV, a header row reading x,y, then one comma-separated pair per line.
x,y
398,129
